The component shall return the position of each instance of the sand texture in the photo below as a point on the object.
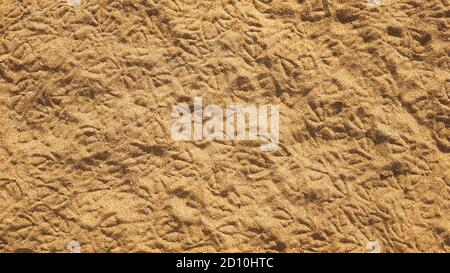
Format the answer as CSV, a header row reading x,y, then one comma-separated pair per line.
x,y
86,93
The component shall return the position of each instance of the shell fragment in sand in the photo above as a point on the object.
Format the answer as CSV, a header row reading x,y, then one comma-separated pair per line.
x,y
74,2
74,247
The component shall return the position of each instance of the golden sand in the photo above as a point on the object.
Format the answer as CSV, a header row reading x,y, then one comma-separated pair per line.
x,y
86,155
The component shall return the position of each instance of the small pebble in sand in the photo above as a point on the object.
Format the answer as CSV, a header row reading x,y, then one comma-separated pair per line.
x,y
74,2
374,247
74,247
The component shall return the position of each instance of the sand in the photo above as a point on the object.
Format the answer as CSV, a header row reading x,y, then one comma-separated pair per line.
x,y
87,160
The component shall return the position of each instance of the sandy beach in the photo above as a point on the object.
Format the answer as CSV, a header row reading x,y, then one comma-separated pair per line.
x,y
88,162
